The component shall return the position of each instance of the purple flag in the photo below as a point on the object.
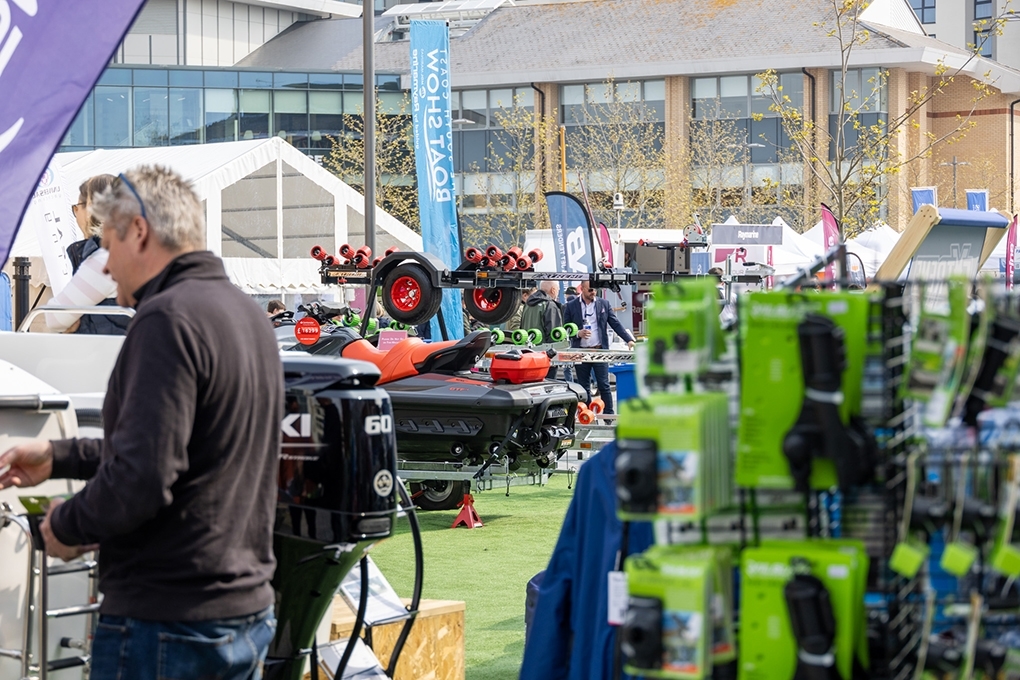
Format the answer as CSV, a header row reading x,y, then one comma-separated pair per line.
x,y
51,54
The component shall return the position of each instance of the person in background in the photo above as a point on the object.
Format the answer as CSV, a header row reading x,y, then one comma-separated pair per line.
x,y
570,293
628,262
719,285
514,322
471,324
278,314
542,312
90,285
593,316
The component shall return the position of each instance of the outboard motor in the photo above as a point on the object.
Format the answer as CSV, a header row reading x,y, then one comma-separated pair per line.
x,y
336,493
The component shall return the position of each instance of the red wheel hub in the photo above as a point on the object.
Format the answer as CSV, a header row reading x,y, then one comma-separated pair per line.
x,y
487,300
405,294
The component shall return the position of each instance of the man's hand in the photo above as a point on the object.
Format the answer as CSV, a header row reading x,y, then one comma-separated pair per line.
x,y
27,464
630,344
54,548
584,333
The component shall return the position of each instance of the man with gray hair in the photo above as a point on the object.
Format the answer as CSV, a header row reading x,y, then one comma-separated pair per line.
x,y
182,488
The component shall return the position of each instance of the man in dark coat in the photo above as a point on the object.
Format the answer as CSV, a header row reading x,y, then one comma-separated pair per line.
x,y
594,316
181,492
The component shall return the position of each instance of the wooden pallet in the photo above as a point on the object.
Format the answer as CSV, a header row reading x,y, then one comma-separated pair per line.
x,y
434,649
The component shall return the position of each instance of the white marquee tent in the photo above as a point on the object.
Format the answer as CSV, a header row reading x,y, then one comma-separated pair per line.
x,y
266,205
871,258
880,238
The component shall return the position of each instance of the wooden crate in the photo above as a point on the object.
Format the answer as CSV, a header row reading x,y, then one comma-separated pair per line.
x,y
434,650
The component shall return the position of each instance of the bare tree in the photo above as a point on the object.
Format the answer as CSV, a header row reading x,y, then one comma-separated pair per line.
x,y
716,157
396,186
849,168
620,148
512,197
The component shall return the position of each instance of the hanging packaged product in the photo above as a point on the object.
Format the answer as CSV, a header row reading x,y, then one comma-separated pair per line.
x,y
684,335
939,349
802,610
1006,555
673,457
802,362
669,627
1000,361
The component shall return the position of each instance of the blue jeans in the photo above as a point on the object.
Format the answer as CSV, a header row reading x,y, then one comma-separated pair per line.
x,y
220,649
601,371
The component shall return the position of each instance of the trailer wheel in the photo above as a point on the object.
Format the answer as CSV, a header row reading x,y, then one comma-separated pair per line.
x,y
492,305
440,494
408,295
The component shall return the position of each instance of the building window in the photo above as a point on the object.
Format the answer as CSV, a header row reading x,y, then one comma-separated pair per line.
x,y
254,115
864,89
983,9
325,119
113,116
742,96
925,10
583,104
185,115
983,43
291,117
220,115
479,109
156,107
863,93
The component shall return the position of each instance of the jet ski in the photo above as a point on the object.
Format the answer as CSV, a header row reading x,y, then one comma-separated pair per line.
x,y
445,412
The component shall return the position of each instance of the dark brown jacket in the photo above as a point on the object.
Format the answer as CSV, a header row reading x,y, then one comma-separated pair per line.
x,y
182,489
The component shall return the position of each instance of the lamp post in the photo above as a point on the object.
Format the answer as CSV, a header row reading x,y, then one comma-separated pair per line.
x,y
460,226
955,164
618,206
368,73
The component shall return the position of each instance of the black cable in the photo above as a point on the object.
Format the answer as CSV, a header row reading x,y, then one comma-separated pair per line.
x,y
315,659
419,575
359,619
39,297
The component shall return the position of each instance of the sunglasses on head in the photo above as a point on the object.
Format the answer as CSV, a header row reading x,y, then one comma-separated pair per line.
x,y
131,188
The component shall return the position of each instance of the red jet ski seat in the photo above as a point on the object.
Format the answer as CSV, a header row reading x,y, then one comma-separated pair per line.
x,y
414,356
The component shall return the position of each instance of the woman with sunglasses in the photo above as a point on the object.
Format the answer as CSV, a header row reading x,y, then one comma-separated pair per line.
x,y
89,286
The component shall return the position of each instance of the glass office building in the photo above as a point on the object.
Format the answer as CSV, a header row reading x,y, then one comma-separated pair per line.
x,y
140,107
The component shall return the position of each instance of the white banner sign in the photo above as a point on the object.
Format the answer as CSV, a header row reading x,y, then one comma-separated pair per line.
x,y
49,213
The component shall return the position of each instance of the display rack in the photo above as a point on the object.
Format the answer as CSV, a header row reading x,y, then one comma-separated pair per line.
x,y
903,614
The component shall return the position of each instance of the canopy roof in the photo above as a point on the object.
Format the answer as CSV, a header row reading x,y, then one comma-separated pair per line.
x,y
266,205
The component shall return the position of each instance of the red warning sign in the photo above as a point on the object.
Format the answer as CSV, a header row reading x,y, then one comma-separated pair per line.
x,y
307,331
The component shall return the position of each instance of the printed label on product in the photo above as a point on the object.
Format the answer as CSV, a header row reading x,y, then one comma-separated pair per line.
x,y
678,476
681,646
681,361
617,603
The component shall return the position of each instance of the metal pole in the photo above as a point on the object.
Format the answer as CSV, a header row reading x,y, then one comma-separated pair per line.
x,y
368,38
954,181
563,157
22,276
747,181
1012,157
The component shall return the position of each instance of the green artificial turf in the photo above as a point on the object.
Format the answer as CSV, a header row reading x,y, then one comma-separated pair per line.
x,y
488,568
